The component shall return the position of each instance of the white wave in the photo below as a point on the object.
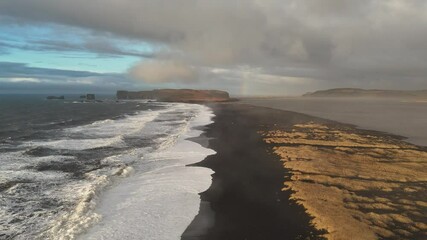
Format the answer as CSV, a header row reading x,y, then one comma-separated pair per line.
x,y
26,174
21,182
127,158
160,171
104,133
161,199
78,144
16,161
129,125
73,222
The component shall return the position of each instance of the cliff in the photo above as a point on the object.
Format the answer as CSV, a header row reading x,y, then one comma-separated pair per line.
x,y
371,93
177,95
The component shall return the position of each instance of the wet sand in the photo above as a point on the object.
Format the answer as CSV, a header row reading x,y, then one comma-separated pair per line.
x,y
285,175
246,200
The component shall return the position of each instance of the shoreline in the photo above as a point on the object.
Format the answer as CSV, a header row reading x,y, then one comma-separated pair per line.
x,y
390,117
245,198
160,199
261,191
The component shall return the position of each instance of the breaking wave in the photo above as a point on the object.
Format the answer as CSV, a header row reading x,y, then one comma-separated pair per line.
x,y
50,187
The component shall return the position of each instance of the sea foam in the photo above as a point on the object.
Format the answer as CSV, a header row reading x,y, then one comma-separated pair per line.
x,y
60,202
161,199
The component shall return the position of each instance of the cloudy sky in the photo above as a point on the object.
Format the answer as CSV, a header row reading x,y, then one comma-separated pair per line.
x,y
247,47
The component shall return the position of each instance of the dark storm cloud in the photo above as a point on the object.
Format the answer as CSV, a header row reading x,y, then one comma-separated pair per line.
x,y
366,43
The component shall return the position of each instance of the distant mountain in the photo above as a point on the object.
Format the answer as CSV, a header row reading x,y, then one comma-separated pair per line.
x,y
373,93
177,95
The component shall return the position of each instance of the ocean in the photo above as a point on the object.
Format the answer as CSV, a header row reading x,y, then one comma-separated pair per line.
x,y
68,166
395,116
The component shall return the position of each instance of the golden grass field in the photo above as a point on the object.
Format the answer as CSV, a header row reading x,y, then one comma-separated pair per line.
x,y
356,185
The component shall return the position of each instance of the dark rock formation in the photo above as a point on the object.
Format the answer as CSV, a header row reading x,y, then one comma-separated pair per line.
x,y
55,97
177,95
90,97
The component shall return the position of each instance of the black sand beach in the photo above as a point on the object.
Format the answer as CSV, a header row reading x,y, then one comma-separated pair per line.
x,y
246,201
275,170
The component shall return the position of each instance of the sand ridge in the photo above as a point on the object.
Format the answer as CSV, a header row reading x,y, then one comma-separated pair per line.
x,y
355,184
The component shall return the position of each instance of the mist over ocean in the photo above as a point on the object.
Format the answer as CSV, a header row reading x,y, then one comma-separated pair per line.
x,y
395,116
58,156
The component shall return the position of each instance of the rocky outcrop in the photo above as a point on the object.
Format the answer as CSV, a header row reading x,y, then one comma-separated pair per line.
x,y
373,93
177,95
55,97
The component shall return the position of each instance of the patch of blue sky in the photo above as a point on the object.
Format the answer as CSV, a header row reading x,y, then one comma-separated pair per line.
x,y
17,33
22,47
78,61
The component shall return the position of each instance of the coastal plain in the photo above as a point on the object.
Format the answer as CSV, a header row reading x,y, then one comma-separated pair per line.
x,y
373,184
286,175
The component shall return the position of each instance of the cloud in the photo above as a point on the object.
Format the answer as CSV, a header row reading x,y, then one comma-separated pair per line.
x,y
163,71
19,76
103,45
366,43
100,46
4,48
19,80
16,70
